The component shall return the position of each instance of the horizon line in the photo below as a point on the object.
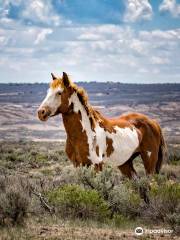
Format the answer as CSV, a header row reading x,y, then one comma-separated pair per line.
x,y
137,83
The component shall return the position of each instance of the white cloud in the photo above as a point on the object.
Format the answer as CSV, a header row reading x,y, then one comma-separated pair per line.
x,y
155,71
40,11
3,40
96,52
88,52
170,6
20,37
33,11
143,70
159,60
159,34
42,35
137,10
89,36
139,46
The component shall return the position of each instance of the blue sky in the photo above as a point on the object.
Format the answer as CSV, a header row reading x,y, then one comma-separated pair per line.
x,y
131,41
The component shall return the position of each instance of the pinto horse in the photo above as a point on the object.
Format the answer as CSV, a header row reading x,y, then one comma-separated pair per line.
x,y
95,139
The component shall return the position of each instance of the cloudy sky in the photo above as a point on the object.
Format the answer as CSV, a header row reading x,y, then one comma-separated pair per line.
x,y
132,41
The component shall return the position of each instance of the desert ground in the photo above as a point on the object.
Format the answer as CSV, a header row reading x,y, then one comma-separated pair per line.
x,y
42,196
19,103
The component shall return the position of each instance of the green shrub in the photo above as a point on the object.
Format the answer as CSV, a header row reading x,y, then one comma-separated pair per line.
x,y
165,197
75,201
174,158
125,201
103,181
173,220
120,220
68,175
122,196
14,200
47,172
164,202
165,190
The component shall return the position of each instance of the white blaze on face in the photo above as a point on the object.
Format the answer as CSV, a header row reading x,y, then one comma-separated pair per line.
x,y
52,99
124,140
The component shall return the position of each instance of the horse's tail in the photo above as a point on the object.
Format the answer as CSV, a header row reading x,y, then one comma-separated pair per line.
x,y
162,154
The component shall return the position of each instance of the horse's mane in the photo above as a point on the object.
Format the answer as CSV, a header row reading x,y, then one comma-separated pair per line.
x,y
93,114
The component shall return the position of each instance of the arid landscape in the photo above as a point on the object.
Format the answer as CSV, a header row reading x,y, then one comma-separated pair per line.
x,y
125,54
42,196
19,103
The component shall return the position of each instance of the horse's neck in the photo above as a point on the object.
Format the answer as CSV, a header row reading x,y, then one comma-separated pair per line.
x,y
78,120
72,125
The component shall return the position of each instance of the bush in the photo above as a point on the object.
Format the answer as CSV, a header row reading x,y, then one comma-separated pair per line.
x,y
125,201
122,196
120,220
166,196
14,201
174,154
103,181
75,201
164,202
82,192
68,175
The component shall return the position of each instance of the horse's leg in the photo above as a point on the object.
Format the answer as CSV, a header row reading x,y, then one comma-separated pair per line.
x,y
149,160
70,151
98,167
127,168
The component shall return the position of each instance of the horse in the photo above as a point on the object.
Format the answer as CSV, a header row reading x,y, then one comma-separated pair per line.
x,y
95,139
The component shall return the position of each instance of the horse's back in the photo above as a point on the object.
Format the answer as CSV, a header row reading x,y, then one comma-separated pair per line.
x,y
134,116
148,127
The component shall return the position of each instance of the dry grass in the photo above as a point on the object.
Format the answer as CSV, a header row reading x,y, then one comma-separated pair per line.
x,y
43,167
75,231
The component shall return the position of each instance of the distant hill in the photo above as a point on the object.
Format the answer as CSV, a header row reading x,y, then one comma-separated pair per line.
x,y
128,93
19,102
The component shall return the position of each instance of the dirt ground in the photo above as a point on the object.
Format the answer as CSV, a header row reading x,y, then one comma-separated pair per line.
x,y
65,232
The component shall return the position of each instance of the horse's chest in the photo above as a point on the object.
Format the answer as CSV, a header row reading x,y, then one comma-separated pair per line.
x,y
115,148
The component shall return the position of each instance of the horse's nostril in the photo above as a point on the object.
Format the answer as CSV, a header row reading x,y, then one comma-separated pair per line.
x,y
43,113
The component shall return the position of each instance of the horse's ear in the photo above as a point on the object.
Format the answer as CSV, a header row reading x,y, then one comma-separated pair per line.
x,y
65,79
53,77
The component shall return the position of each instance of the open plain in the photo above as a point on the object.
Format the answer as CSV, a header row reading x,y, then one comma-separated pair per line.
x,y
42,196
19,103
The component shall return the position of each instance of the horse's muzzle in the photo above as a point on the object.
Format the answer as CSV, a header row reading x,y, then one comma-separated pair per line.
x,y
44,113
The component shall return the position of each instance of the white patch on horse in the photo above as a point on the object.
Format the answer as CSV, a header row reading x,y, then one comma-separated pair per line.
x,y
52,99
86,126
124,140
148,153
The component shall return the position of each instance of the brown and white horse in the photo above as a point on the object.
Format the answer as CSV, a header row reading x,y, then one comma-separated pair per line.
x,y
95,139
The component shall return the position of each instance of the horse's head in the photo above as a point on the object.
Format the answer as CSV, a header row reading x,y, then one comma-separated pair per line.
x,y
57,98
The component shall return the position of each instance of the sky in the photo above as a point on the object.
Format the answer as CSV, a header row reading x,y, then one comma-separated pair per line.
x,y
129,41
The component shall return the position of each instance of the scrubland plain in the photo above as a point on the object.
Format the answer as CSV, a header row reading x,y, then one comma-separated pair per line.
x,y
42,196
